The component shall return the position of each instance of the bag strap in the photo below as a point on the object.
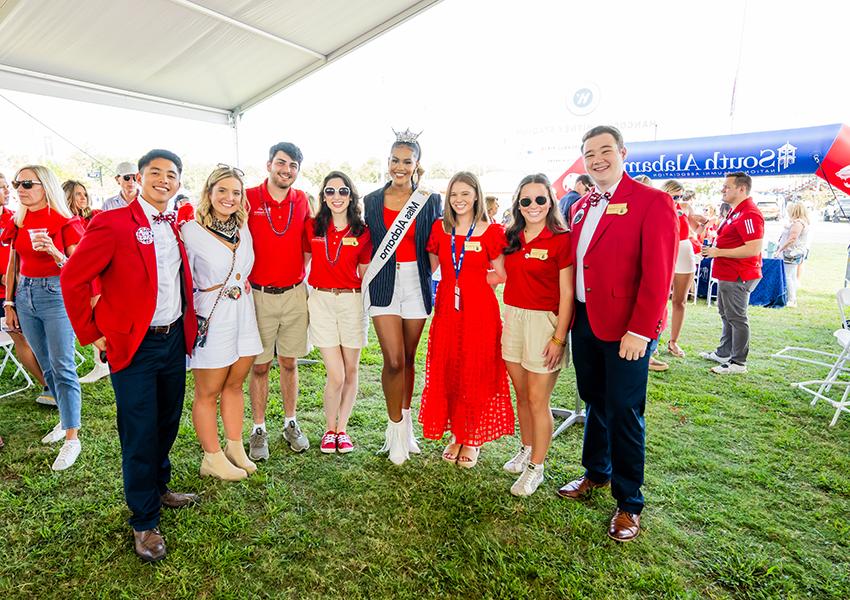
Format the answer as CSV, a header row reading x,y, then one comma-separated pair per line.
x,y
221,290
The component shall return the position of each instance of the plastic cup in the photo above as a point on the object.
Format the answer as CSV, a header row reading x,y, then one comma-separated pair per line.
x,y
34,235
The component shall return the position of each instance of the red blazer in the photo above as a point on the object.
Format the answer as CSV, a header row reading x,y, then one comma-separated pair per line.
x,y
126,267
628,266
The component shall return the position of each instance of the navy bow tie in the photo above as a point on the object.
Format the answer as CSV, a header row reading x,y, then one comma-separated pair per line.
x,y
168,217
596,197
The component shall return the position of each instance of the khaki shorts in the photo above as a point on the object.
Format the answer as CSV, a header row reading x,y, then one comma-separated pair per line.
x,y
282,320
525,335
337,320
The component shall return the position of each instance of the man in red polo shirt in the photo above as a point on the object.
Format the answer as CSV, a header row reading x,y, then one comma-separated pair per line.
x,y
737,267
278,215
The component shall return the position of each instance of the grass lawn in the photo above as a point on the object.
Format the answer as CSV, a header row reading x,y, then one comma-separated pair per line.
x,y
747,489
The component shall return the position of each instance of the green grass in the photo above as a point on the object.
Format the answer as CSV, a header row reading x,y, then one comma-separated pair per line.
x,y
748,494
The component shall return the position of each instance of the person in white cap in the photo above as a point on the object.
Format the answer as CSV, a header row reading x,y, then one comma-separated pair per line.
x,y
125,177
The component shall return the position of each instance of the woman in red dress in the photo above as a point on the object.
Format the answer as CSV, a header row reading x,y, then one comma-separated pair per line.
x,y
466,384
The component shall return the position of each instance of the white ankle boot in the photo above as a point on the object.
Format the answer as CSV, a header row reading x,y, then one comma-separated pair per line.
x,y
216,465
100,370
412,444
395,442
235,453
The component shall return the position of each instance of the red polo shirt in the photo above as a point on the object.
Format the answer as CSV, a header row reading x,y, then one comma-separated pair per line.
x,y
6,217
334,263
278,232
63,231
744,224
534,271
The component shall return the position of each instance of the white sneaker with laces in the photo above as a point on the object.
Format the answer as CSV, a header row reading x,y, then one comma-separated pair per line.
x,y
713,356
529,481
67,455
57,434
519,460
729,368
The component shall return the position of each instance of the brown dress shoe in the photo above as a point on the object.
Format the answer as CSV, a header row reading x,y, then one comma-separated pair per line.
x,y
624,527
173,499
149,545
579,489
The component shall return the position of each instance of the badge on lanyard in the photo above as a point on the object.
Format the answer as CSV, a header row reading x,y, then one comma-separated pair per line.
x,y
144,235
458,263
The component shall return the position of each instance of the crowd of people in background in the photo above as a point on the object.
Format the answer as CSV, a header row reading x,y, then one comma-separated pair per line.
x,y
251,276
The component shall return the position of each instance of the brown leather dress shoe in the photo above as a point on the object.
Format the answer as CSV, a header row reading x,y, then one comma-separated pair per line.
x,y
624,527
580,489
173,499
149,545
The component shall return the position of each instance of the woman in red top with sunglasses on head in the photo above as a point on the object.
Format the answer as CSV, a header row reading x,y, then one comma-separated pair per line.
x,y
340,250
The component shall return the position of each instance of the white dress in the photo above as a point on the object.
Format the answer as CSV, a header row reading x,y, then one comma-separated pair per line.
x,y
233,329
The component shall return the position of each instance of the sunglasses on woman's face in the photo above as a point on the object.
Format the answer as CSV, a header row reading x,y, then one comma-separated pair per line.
x,y
26,184
540,200
343,192
677,197
128,177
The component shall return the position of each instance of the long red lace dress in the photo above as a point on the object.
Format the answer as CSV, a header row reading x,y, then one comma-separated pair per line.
x,y
466,383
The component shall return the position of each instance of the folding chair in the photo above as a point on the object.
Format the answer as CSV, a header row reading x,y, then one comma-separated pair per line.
x,y
695,285
712,284
6,344
843,296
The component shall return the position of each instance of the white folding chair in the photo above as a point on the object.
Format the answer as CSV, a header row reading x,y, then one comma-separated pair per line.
x,y
695,285
6,345
713,284
843,297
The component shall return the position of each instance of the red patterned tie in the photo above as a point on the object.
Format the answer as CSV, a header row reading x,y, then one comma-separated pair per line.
x,y
168,217
596,197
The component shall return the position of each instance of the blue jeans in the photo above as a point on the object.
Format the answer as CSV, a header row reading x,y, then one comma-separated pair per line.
x,y
48,331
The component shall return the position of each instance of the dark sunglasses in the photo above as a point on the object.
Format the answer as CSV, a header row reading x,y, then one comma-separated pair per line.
x,y
236,170
343,192
128,177
540,200
26,184
677,197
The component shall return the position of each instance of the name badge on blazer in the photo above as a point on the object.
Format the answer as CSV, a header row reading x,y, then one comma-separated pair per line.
x,y
350,241
472,246
617,209
538,253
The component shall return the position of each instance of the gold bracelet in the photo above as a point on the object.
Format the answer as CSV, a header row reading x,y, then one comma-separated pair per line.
x,y
561,343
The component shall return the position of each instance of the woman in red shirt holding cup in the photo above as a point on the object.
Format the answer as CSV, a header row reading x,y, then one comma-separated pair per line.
x,y
340,249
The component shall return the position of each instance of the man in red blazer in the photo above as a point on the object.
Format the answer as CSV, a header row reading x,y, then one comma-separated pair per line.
x,y
624,241
146,324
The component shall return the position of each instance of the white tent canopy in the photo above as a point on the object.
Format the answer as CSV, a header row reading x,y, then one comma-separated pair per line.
x,y
202,59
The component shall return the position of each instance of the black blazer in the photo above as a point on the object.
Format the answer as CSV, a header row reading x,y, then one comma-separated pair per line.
x,y
381,287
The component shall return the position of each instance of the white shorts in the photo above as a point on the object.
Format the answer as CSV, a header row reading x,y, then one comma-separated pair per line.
x,y
407,301
685,262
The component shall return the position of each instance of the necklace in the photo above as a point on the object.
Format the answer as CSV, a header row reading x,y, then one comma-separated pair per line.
x,y
227,229
269,219
335,259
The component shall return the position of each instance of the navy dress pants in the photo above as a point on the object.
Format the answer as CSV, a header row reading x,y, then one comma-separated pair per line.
x,y
614,390
149,396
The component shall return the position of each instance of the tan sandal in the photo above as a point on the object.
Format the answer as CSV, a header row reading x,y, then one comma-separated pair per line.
x,y
674,349
466,461
452,451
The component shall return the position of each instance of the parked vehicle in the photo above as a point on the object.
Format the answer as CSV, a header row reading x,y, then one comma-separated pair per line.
x,y
837,211
769,207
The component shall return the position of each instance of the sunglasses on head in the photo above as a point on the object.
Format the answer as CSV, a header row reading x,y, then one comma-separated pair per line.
x,y
236,170
343,192
26,184
540,200
128,177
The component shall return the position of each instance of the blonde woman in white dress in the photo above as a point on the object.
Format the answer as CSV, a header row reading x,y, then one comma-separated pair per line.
x,y
221,256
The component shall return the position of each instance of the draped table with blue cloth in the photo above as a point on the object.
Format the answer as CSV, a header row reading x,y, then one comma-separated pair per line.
x,y
769,292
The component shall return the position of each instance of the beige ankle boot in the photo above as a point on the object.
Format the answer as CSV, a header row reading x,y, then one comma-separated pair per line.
x,y
217,465
235,453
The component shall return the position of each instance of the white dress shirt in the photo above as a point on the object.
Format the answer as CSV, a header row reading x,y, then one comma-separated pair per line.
x,y
591,221
169,303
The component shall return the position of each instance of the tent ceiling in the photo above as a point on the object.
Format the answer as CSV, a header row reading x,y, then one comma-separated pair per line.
x,y
204,59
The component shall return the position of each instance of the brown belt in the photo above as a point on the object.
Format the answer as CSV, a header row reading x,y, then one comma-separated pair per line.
x,y
274,290
338,291
163,329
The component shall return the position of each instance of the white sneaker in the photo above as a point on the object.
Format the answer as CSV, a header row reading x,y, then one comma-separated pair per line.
x,y
729,368
57,434
412,444
518,462
713,356
528,482
67,455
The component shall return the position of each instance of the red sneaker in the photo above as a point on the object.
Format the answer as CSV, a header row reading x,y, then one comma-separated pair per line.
x,y
343,443
328,443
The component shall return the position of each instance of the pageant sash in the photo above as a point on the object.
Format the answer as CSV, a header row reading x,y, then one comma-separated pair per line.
x,y
390,243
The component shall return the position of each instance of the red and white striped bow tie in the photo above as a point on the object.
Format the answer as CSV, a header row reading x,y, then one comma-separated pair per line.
x,y
596,197
168,217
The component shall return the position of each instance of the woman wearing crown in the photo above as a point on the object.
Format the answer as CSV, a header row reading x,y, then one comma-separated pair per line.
x,y
397,284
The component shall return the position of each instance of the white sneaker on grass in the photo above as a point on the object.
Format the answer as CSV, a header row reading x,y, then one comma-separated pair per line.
x,y
67,455
529,481
519,460
713,356
57,434
729,368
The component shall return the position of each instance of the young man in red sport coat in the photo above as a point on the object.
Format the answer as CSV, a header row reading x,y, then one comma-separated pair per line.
x,y
624,242
146,324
